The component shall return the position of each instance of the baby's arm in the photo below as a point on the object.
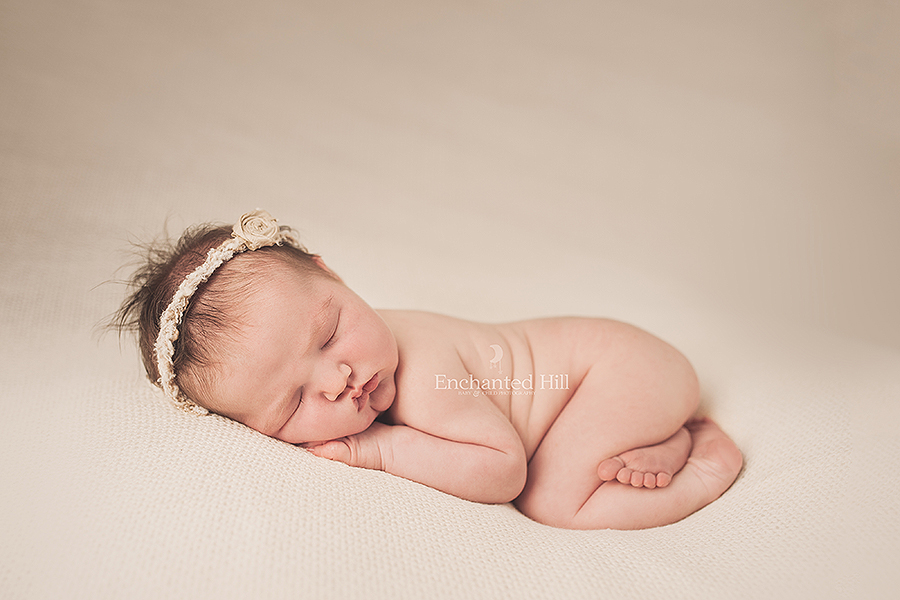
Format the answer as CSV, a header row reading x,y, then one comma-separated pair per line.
x,y
460,444
491,471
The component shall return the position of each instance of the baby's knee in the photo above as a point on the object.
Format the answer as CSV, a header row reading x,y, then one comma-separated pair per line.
x,y
670,377
683,384
690,390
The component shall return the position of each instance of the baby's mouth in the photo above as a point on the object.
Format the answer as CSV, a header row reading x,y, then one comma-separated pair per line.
x,y
362,399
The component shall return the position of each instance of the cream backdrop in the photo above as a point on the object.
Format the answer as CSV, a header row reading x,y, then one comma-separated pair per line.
x,y
724,174
747,153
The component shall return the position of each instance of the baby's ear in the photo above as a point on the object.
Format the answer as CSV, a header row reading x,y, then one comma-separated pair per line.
x,y
321,264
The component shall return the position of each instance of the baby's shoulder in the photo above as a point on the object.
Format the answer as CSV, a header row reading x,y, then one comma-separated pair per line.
x,y
431,340
435,353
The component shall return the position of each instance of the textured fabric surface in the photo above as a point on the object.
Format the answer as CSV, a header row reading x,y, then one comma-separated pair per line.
x,y
119,117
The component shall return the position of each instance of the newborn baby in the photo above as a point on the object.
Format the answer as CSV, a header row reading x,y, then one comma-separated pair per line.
x,y
582,423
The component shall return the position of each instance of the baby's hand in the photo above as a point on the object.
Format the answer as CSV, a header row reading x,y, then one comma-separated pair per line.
x,y
368,449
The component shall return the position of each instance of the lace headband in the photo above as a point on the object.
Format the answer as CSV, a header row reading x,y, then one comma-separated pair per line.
x,y
254,230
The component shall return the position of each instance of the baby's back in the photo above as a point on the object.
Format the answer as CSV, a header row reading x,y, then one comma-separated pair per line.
x,y
527,369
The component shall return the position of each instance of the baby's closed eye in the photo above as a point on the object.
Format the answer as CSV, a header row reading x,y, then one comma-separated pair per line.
x,y
332,337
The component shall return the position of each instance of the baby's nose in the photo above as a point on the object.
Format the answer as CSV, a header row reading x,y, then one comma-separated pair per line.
x,y
337,387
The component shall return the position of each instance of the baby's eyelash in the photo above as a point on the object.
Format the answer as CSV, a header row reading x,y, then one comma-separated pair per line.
x,y
333,335
331,339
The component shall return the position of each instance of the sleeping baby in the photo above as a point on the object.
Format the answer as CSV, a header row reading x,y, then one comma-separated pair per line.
x,y
582,423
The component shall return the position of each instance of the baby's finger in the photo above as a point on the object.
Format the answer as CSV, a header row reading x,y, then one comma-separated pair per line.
x,y
334,450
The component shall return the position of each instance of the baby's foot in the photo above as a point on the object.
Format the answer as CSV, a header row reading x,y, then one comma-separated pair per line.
x,y
650,466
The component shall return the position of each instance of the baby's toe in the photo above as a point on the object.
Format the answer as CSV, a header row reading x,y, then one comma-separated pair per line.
x,y
647,480
636,479
609,468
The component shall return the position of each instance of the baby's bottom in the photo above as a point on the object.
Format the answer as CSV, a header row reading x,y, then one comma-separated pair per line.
x,y
622,424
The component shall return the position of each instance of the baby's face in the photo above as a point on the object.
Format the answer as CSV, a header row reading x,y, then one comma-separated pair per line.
x,y
313,362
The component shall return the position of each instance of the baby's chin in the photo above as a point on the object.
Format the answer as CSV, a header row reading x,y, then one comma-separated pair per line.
x,y
370,419
359,427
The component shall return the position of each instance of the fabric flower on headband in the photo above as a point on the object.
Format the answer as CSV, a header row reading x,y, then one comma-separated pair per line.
x,y
257,229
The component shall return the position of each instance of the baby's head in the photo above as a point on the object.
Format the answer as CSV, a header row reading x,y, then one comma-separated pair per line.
x,y
245,322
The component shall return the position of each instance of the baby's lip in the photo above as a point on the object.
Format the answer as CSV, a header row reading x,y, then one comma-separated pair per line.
x,y
362,400
371,384
356,392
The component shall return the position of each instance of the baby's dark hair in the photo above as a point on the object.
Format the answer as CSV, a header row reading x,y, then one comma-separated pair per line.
x,y
215,308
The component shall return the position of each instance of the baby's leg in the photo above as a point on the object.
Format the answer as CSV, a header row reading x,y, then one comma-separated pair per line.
x,y
638,393
650,466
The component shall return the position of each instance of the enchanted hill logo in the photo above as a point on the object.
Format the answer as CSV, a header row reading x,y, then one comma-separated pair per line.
x,y
494,386
498,356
